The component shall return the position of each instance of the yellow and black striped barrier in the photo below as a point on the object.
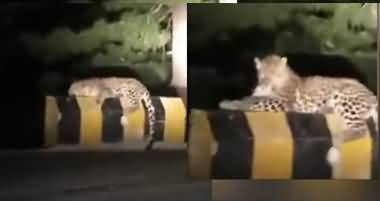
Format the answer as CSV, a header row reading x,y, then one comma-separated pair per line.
x,y
263,145
81,121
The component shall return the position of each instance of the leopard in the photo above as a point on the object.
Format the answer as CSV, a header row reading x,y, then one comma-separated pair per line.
x,y
131,92
285,90
257,103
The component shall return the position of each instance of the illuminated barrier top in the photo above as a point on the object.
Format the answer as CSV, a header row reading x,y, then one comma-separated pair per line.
x,y
264,145
81,121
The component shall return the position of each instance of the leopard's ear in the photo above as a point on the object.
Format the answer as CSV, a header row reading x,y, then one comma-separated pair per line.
x,y
257,63
284,60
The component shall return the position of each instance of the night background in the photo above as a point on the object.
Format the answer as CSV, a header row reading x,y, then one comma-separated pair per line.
x,y
319,39
324,39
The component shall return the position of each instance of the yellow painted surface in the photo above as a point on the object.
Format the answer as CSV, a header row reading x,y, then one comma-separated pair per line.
x,y
52,118
175,120
273,145
200,147
356,158
91,121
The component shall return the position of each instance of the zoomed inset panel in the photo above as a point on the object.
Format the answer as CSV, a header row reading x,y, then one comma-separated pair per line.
x,y
283,91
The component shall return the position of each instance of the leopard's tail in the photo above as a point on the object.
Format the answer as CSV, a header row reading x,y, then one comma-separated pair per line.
x,y
147,99
374,114
334,155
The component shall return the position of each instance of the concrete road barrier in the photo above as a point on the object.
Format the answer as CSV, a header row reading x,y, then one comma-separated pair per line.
x,y
81,121
263,145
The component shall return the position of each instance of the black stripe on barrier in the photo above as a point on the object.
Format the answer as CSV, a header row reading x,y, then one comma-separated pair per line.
x,y
187,126
112,111
69,125
312,140
159,126
375,149
233,158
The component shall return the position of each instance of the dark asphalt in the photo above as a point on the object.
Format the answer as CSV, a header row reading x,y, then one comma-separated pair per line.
x,y
95,176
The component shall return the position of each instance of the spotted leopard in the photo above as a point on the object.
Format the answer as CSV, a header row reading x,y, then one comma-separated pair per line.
x,y
314,94
257,103
131,91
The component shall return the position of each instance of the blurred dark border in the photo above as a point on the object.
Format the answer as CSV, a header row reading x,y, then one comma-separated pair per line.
x,y
320,190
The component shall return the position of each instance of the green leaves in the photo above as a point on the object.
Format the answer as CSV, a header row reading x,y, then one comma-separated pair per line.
x,y
139,36
340,28
136,37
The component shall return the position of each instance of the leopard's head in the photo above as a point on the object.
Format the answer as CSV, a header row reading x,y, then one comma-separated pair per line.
x,y
87,87
273,74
